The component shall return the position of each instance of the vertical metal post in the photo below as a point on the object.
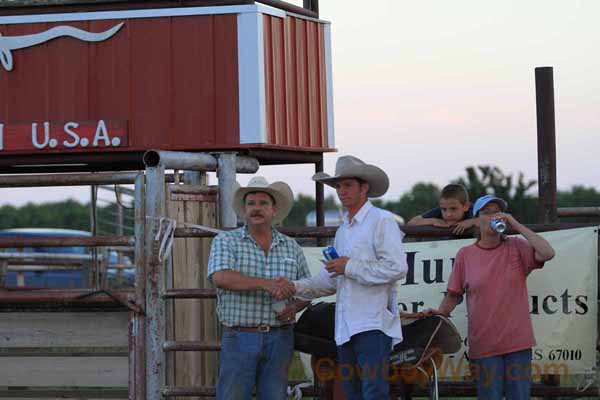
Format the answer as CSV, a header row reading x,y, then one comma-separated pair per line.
x,y
138,389
546,144
226,174
320,200
131,357
312,5
3,272
155,278
94,276
119,226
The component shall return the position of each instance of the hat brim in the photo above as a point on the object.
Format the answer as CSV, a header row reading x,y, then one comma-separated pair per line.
x,y
376,178
501,202
280,191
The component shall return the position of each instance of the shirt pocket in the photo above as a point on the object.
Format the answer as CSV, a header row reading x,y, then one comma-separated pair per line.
x,y
362,247
289,267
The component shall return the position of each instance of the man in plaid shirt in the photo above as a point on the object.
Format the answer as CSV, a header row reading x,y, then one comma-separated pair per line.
x,y
247,265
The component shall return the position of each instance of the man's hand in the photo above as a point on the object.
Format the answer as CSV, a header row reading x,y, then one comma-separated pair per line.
x,y
269,285
432,311
284,288
337,266
288,314
462,226
508,219
280,287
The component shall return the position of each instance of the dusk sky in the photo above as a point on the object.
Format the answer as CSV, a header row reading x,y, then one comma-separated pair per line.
x,y
424,89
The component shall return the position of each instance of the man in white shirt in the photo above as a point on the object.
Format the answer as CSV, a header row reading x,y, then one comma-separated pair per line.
x,y
372,260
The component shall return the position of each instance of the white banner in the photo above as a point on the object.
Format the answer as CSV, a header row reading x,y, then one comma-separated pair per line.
x,y
562,298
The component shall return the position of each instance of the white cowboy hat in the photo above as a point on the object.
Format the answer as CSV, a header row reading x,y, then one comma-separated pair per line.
x,y
280,191
352,167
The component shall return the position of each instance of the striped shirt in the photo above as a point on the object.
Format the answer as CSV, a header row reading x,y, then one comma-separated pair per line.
x,y
237,250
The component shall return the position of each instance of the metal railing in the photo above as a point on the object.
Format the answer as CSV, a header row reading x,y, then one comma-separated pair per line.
x,y
149,342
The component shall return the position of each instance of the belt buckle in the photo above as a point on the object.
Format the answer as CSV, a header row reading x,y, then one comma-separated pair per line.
x,y
263,328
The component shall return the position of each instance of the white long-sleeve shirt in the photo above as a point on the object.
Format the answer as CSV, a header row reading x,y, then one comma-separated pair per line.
x,y
366,294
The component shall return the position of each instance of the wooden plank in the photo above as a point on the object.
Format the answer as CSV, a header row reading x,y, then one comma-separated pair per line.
x,y
47,329
210,323
190,316
3,395
27,394
64,371
174,209
66,351
193,329
70,393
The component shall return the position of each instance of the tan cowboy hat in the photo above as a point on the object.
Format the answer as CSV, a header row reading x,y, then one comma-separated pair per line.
x,y
281,192
352,167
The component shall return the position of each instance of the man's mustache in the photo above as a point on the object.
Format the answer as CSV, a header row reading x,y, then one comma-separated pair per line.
x,y
256,214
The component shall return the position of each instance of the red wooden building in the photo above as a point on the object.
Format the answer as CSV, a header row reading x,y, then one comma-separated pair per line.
x,y
93,86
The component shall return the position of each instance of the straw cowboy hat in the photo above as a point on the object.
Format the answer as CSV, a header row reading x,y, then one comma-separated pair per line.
x,y
352,167
281,192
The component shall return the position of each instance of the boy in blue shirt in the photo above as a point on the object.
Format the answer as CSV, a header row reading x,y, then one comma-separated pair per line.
x,y
454,211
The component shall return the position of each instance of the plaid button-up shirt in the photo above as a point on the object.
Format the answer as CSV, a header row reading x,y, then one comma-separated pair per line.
x,y
236,250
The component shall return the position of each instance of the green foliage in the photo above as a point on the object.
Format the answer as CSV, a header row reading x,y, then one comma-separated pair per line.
x,y
485,179
303,205
480,180
421,197
68,214
578,196
107,218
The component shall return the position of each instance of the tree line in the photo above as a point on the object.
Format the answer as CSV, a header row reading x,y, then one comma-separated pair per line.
x,y
479,180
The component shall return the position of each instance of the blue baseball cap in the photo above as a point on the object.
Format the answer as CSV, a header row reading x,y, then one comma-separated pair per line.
x,y
483,200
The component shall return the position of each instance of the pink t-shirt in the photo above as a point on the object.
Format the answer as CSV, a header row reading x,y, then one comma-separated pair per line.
x,y
497,300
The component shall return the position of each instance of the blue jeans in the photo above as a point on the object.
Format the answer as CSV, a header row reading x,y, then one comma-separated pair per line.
x,y
504,375
253,358
364,366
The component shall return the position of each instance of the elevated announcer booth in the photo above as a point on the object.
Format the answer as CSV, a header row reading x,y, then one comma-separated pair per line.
x,y
108,92
96,84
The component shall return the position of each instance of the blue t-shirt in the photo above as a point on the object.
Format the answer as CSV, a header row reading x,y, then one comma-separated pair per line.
x,y
437,213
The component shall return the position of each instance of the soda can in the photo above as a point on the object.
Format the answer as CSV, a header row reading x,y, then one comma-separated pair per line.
x,y
498,225
330,253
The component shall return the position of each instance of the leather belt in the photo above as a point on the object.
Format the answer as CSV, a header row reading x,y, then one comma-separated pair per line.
x,y
258,329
